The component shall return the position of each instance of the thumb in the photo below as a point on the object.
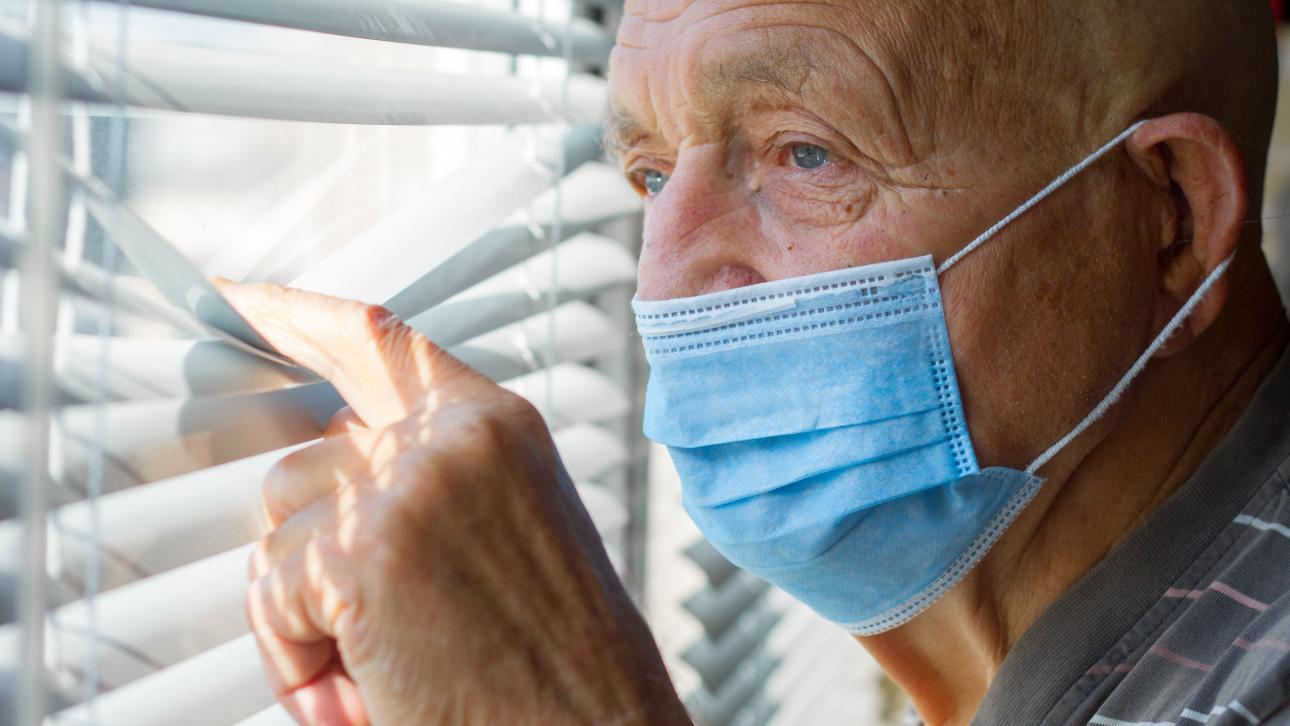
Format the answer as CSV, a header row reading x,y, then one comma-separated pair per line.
x,y
382,368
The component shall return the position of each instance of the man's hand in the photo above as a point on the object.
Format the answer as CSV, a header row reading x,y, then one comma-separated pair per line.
x,y
430,560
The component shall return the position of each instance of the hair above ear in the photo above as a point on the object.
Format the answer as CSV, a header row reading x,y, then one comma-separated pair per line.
x,y
1197,165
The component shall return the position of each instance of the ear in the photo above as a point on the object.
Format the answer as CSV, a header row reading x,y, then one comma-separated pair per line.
x,y
1199,171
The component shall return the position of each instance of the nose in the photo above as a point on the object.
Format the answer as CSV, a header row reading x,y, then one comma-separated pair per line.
x,y
702,231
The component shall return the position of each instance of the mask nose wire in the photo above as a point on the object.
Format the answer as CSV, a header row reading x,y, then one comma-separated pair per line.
x,y
1058,183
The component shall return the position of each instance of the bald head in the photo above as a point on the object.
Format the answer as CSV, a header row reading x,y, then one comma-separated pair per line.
x,y
1043,75
1053,72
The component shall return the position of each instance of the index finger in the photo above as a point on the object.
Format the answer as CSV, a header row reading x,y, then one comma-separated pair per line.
x,y
381,367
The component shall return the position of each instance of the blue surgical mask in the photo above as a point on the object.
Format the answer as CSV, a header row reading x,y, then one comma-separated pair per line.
x,y
818,431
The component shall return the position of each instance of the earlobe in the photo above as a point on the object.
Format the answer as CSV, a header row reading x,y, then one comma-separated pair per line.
x,y
1198,164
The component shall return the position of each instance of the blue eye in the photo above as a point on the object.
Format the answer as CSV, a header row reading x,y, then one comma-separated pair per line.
x,y
654,181
809,156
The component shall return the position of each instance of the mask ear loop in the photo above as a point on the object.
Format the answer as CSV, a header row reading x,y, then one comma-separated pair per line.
x,y
1105,405
1058,183
1174,324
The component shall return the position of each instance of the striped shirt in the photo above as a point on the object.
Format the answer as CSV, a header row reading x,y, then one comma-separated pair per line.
x,y
1185,622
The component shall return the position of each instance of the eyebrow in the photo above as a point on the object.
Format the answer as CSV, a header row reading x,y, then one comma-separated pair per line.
x,y
620,130
784,71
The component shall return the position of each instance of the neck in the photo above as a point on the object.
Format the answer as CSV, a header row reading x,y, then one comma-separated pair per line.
x,y
946,658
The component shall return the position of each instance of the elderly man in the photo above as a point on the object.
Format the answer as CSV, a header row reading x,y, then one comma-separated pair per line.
x,y
1042,473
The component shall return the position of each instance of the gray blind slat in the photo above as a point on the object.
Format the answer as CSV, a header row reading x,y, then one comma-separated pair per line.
x,y
589,196
419,22
173,77
147,531
717,608
218,687
151,624
426,233
589,451
151,368
149,440
717,660
584,266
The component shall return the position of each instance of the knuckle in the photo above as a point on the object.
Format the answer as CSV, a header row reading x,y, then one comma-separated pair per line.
x,y
255,564
485,427
379,317
427,489
274,493
525,416
505,418
363,321
406,525
426,479
379,323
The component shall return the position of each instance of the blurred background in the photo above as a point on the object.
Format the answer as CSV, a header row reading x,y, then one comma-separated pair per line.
x,y
434,164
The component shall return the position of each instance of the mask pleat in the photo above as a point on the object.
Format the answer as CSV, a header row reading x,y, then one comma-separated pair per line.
x,y
725,473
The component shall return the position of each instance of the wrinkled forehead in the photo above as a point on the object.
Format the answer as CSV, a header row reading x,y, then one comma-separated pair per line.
x,y
656,23
683,63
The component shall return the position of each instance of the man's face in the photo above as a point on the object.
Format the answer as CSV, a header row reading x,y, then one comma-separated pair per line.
x,y
774,140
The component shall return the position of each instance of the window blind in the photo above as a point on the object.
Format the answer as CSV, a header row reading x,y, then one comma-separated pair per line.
x,y
164,410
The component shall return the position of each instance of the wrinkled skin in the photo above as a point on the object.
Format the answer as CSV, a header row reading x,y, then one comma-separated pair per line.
x,y
936,120
430,563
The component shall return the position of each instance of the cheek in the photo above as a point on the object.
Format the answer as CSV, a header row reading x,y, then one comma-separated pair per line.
x,y
816,232
783,196
1043,322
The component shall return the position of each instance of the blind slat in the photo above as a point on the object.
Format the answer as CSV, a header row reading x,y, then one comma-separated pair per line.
x,y
178,280
145,441
137,644
420,22
585,262
272,716
151,440
152,368
581,333
428,231
152,529
96,284
589,451
149,625
172,77
148,530
144,369
717,660
741,694
717,608
715,567
591,195
577,394
606,510
583,266
217,687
